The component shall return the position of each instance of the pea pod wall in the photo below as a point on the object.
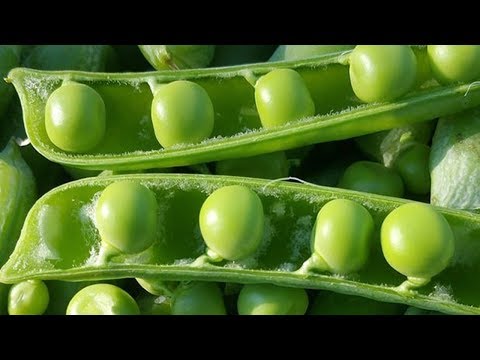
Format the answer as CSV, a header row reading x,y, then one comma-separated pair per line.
x,y
130,144
44,252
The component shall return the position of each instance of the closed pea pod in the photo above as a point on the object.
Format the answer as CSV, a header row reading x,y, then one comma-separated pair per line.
x,y
267,299
102,299
341,238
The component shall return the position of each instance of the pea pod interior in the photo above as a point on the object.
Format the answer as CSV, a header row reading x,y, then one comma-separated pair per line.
x,y
45,252
130,142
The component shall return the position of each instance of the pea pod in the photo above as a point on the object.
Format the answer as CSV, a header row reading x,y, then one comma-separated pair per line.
x,y
130,142
9,58
17,195
42,251
174,57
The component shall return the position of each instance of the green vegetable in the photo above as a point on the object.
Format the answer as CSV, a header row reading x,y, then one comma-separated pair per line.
x,y
182,113
297,52
126,216
227,55
372,177
267,299
102,299
454,160
281,97
9,58
29,297
418,242
130,142
198,298
382,72
413,166
454,63
166,57
290,210
75,117
232,222
17,195
154,305
341,238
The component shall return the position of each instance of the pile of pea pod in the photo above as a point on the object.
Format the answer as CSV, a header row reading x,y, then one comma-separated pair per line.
x,y
239,179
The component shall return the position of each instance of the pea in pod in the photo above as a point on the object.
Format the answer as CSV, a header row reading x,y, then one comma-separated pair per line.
x,y
290,210
130,142
17,195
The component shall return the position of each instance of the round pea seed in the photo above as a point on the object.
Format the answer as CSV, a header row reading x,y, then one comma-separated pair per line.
x,y
342,236
199,298
267,299
102,299
382,72
371,177
417,241
75,117
454,63
232,222
413,166
28,297
182,113
282,96
126,216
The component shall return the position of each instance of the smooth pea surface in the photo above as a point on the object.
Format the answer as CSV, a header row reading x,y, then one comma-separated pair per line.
x,y
382,72
232,222
182,113
417,241
199,298
371,177
454,63
267,299
102,299
28,297
75,117
282,96
413,166
126,216
342,236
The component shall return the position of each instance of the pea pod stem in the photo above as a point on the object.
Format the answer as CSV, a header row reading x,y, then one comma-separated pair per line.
x,y
290,211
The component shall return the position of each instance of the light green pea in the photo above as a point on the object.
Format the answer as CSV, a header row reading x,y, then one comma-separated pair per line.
x,y
282,96
182,113
102,299
413,166
454,63
232,222
75,117
417,241
126,216
268,299
29,297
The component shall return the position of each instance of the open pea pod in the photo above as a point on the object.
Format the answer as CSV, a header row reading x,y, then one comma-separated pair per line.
x,y
44,251
17,195
129,141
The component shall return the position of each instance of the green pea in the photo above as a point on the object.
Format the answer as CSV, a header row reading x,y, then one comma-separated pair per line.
x,y
268,299
341,237
232,222
266,166
102,299
331,303
154,305
199,298
382,72
75,117
371,177
182,113
413,166
454,63
154,286
417,241
282,96
126,216
29,297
